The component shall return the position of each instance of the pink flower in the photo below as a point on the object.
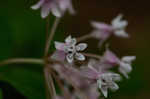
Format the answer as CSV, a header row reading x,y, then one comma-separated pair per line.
x,y
58,55
124,63
104,31
74,77
56,7
109,58
71,49
107,81
103,79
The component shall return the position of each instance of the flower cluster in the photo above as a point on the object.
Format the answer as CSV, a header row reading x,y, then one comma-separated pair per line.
x,y
94,73
93,77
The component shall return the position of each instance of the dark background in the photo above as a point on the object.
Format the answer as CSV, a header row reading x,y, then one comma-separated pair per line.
x,y
22,34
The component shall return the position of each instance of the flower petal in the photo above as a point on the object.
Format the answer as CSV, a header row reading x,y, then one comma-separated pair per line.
x,y
45,10
104,90
56,12
89,72
125,68
121,33
79,56
38,5
68,39
128,59
114,86
110,58
121,70
70,58
59,46
115,77
58,55
81,46
71,9
101,26
117,23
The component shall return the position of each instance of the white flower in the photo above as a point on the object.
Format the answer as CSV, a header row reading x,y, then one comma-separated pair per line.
x,y
125,65
107,81
119,26
71,49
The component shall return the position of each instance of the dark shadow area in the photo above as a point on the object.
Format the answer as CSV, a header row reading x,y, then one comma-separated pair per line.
x,y
9,92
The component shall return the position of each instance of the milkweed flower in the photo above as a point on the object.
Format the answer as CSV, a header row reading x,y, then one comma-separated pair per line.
x,y
103,31
124,63
74,77
56,7
71,49
58,55
105,80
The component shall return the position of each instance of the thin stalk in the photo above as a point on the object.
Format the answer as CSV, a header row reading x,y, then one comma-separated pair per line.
x,y
92,55
22,61
48,95
52,32
66,95
47,27
85,37
50,83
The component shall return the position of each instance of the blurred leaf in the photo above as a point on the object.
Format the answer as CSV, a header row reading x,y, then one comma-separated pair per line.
x,y
28,80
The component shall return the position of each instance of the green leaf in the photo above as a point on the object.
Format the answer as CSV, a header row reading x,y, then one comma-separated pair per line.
x,y
26,79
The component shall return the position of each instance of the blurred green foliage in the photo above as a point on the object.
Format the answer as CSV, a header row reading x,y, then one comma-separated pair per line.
x,y
27,79
22,34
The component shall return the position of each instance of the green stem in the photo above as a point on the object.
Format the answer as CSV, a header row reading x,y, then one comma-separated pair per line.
x,y
49,83
92,55
52,33
85,37
22,61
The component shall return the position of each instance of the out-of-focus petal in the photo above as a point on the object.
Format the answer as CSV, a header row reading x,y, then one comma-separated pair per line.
x,y
128,59
101,26
115,77
38,5
59,46
69,58
79,56
117,23
125,68
89,72
56,11
70,41
114,86
81,46
121,33
58,55
110,58
45,9
121,70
